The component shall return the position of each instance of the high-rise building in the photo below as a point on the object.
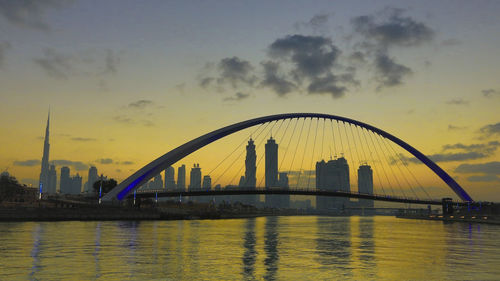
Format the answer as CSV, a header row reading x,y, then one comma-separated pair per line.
x,y
250,179
93,177
207,183
271,171
52,184
65,181
44,173
195,178
76,184
157,182
365,184
181,177
283,200
332,176
170,178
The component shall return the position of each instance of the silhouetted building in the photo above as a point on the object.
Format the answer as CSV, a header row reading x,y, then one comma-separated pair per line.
x,y
271,169
250,179
65,181
365,184
284,200
332,176
157,182
207,182
76,185
170,178
93,177
52,184
181,177
195,178
242,182
44,173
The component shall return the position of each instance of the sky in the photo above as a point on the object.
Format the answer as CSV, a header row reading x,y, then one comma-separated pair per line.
x,y
127,81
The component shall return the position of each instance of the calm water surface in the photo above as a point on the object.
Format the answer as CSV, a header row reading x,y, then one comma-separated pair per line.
x,y
269,248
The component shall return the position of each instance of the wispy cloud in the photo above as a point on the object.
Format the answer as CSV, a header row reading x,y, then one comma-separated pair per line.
x,y
29,13
27,163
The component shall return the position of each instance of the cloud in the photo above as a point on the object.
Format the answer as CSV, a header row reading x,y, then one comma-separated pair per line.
x,y
79,166
273,80
237,97
123,119
111,62
206,81
389,73
460,152
490,168
483,178
83,139
393,29
140,104
29,13
55,64
127,163
455,128
490,130
235,71
488,93
451,42
457,102
28,163
4,46
105,161
318,23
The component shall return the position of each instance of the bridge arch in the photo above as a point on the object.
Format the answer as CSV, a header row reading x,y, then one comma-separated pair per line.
x,y
156,166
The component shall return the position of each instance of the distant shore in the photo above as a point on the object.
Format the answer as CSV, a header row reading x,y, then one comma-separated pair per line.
x,y
466,219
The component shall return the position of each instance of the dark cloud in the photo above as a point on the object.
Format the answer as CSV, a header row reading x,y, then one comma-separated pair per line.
x,y
460,152
451,42
312,56
489,168
483,178
4,46
27,163
327,85
140,104
79,166
83,139
457,102
206,81
55,64
455,128
235,71
318,23
490,130
273,80
237,97
29,13
357,58
490,93
105,161
393,29
388,72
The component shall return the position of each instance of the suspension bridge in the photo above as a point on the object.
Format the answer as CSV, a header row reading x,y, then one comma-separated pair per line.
x,y
331,157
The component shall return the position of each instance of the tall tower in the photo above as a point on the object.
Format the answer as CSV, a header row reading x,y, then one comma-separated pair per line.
x,y
181,177
93,177
365,184
195,178
271,170
250,179
170,178
65,181
44,173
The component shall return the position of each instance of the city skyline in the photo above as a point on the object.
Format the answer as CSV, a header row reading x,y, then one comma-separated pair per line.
x,y
433,83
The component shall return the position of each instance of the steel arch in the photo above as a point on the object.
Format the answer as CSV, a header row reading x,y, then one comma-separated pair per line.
x,y
155,167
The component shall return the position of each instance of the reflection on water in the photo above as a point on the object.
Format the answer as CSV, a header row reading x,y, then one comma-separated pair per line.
x,y
250,253
272,248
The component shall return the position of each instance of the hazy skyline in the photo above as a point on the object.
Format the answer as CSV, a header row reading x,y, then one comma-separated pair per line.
x,y
128,81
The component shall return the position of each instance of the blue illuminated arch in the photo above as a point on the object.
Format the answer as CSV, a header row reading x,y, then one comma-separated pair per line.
x,y
155,167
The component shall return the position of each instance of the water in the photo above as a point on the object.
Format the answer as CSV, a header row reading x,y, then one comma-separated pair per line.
x,y
269,248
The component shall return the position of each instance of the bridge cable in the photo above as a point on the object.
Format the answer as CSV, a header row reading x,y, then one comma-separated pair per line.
x,y
340,136
304,155
217,180
380,161
322,138
314,146
350,154
410,172
399,156
288,145
359,158
333,140
297,146
229,155
262,141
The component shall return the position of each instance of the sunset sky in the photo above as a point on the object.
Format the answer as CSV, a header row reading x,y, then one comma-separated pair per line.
x,y
127,81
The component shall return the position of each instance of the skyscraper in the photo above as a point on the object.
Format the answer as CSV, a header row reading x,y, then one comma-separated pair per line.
x,y
195,178
207,182
332,176
250,179
76,184
157,182
365,184
284,200
170,178
93,177
44,173
65,181
52,183
181,177
271,170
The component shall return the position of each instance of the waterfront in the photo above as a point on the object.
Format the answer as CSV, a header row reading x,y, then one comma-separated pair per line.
x,y
269,248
